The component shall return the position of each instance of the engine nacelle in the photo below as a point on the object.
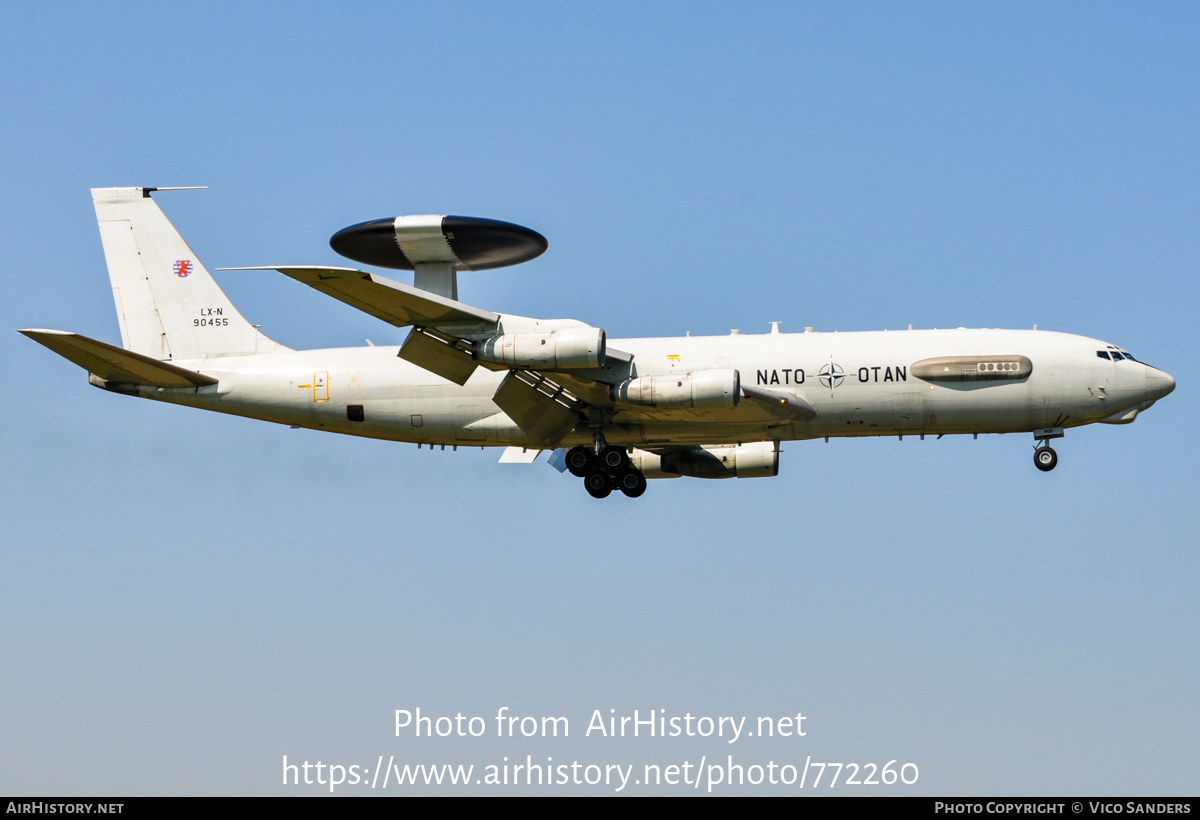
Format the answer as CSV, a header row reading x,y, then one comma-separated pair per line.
x,y
702,390
759,459
567,348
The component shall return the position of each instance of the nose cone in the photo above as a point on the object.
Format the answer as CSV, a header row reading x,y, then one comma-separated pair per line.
x,y
1158,383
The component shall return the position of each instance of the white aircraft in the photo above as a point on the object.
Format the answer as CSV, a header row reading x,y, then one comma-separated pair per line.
x,y
615,415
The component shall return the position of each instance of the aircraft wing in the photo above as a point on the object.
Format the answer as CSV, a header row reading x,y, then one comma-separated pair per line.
x,y
442,329
393,302
545,404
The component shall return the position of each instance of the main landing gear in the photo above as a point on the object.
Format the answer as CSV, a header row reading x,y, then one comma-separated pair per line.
x,y
1044,458
607,471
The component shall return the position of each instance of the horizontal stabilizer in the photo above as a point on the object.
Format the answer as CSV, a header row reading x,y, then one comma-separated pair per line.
x,y
395,303
113,364
785,405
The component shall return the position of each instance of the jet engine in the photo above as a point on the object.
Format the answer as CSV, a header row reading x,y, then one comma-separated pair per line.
x,y
695,391
566,348
759,459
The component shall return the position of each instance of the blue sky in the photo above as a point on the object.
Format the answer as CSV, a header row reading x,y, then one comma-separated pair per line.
x,y
185,598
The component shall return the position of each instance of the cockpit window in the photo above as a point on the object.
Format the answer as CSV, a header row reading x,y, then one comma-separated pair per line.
x,y
1117,356
1103,354
1130,357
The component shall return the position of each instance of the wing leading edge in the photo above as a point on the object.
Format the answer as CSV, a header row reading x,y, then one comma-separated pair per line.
x,y
397,304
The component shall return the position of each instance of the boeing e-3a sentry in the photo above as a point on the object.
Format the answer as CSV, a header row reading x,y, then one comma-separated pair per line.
x,y
614,414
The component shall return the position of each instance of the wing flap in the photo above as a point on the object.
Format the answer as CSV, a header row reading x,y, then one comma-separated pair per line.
x,y
115,364
519,455
541,408
438,356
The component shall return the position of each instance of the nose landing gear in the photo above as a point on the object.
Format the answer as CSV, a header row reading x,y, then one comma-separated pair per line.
x,y
1044,458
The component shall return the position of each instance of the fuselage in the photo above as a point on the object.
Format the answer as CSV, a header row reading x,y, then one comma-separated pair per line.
x,y
860,383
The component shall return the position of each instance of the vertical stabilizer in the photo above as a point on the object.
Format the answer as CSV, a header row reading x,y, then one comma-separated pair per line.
x,y
168,304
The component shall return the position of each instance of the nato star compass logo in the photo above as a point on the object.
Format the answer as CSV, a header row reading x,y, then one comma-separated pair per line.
x,y
831,375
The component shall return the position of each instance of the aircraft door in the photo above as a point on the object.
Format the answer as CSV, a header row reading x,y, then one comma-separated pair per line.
x,y
320,386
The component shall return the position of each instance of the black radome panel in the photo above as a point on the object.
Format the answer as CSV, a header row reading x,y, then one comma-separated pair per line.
x,y
479,244
372,243
483,244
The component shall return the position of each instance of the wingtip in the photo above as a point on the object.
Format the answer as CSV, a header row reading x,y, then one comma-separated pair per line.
x,y
41,331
